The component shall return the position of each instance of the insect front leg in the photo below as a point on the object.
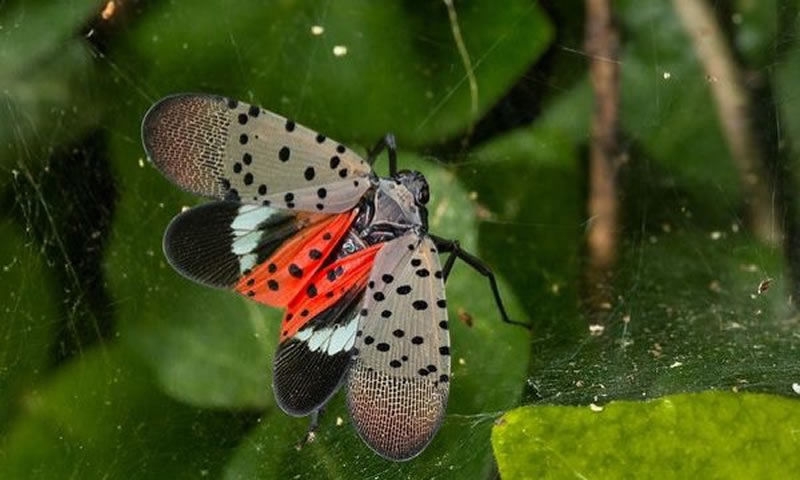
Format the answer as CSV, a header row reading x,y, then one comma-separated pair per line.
x,y
388,143
456,252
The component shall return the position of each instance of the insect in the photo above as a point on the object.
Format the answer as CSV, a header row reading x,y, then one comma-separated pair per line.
x,y
303,223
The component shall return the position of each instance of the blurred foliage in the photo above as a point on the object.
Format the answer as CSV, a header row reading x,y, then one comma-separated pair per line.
x,y
114,366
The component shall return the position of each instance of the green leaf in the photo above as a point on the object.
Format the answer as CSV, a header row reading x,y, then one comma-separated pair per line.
x,y
44,70
786,74
756,26
33,30
102,417
531,231
705,435
663,84
401,71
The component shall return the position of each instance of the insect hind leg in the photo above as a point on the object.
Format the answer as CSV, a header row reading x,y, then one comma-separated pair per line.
x,y
388,143
456,252
311,432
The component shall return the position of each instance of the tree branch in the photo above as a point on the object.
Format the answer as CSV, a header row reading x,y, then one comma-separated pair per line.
x,y
602,47
735,115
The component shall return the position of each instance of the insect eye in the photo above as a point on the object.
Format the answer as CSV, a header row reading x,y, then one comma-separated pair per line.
x,y
423,196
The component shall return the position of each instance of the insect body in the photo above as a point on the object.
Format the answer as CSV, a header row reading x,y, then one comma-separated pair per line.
x,y
303,223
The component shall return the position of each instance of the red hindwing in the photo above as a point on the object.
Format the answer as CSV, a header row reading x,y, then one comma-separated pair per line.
x,y
328,286
279,279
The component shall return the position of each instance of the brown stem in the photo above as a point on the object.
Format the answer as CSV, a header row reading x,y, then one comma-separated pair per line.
x,y
602,47
735,114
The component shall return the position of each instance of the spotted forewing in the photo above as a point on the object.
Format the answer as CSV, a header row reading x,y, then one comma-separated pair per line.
x,y
221,148
399,381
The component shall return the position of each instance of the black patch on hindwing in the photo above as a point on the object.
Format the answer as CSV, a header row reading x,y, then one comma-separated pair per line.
x,y
198,242
303,381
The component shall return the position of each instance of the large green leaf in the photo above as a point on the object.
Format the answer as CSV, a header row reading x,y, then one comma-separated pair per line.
x,y
787,72
44,70
401,71
663,85
706,435
103,417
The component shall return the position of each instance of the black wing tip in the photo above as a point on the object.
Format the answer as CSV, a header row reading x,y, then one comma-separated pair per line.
x,y
301,395
187,241
298,411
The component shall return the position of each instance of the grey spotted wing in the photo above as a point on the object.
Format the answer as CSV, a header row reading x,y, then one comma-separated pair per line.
x,y
399,380
221,148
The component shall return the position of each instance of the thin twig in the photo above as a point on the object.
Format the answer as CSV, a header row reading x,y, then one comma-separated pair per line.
x,y
735,114
462,51
602,48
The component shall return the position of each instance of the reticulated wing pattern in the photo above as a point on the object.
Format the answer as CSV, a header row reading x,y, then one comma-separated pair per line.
x,y
399,380
221,148
217,243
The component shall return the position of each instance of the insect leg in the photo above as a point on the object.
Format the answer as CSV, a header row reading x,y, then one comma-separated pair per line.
x,y
386,142
313,425
456,252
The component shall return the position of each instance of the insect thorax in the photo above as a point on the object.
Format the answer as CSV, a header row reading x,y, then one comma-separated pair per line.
x,y
392,208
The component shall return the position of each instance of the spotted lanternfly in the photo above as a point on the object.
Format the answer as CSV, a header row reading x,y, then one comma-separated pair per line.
x,y
302,222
